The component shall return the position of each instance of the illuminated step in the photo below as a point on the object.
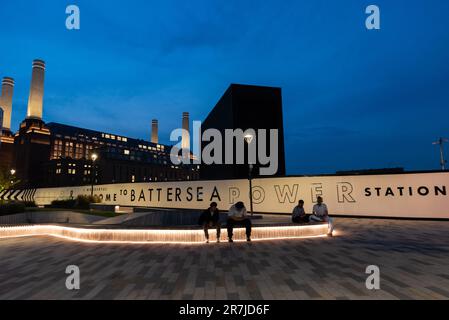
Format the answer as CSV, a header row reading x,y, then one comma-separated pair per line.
x,y
163,236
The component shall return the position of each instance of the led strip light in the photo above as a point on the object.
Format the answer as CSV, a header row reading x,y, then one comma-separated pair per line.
x,y
161,236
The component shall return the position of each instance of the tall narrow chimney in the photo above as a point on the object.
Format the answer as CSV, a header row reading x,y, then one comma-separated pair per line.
x,y
6,101
186,133
154,131
36,98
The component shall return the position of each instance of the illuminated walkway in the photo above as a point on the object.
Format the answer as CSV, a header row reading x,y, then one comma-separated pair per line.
x,y
413,257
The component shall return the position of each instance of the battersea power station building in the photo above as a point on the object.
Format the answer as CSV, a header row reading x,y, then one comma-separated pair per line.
x,y
53,154
43,154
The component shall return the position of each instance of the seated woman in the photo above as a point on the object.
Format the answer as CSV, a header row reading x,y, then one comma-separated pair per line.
x,y
299,215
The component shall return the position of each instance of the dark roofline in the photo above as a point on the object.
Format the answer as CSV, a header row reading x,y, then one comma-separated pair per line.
x,y
253,86
90,131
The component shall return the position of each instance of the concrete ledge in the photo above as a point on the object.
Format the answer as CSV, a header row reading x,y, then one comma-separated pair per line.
x,y
162,236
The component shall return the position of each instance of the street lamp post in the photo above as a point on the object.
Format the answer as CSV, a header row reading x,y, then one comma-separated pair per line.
x,y
93,157
441,142
13,172
248,139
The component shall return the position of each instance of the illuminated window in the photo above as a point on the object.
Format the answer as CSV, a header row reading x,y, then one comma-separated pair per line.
x,y
87,151
68,149
124,139
57,149
78,151
126,152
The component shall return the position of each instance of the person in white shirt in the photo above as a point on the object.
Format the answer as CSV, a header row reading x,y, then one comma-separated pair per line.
x,y
321,214
238,216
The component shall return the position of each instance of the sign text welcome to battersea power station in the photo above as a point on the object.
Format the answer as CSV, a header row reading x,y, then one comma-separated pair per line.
x,y
420,195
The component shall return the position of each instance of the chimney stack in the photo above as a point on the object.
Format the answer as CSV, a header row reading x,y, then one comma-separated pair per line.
x,y
154,131
36,98
186,133
6,101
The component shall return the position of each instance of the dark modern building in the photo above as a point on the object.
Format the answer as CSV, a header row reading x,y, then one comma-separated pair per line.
x,y
246,107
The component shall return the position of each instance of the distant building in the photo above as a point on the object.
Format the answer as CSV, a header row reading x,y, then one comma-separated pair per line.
x,y
6,136
245,107
371,171
120,159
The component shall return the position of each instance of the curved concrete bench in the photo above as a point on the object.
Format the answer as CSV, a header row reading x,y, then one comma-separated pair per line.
x,y
185,235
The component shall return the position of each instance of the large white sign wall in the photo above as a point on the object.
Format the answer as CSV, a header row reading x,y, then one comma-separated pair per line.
x,y
417,195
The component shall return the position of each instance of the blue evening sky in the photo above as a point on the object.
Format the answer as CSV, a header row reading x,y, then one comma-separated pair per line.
x,y
352,98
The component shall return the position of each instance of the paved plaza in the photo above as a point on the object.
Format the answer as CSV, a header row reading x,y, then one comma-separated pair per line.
x,y
413,257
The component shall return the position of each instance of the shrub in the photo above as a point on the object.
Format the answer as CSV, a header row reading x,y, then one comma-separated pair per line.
x,y
63,204
29,204
81,202
11,208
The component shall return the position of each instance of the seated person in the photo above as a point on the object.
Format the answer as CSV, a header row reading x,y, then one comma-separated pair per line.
x,y
299,215
237,216
321,214
211,218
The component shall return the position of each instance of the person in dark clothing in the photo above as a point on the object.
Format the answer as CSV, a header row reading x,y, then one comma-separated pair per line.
x,y
211,218
299,215
237,216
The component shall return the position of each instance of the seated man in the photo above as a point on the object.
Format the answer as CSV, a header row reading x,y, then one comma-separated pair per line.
x,y
211,218
321,214
299,215
237,216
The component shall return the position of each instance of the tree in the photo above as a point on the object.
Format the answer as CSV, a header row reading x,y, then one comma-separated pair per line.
x,y
7,180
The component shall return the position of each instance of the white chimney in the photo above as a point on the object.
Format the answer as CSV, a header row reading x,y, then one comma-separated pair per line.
x,y
36,99
186,132
6,101
154,131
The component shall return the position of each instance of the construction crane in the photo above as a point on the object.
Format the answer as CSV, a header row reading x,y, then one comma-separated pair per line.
x,y
441,142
